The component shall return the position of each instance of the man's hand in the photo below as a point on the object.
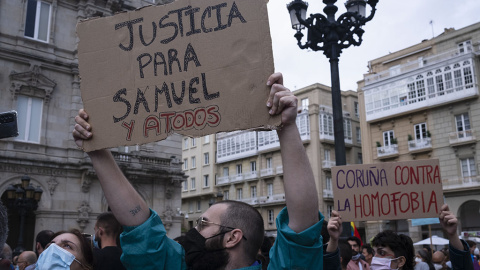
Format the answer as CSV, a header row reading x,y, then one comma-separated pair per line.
x,y
82,129
334,228
281,100
448,220
449,223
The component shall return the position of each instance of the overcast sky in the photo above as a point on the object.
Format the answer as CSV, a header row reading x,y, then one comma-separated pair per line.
x,y
397,24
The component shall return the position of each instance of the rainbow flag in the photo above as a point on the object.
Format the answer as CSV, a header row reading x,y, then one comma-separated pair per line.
x,y
355,231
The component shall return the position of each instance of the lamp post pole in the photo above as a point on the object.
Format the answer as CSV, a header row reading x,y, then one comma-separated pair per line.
x,y
24,198
331,36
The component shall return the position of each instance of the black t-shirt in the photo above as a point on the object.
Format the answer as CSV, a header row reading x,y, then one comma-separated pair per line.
x,y
108,258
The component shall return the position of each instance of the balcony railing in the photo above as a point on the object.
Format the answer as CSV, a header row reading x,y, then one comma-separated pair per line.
x,y
222,180
272,199
236,178
251,201
250,175
461,137
279,170
328,164
420,144
266,172
387,150
328,194
461,183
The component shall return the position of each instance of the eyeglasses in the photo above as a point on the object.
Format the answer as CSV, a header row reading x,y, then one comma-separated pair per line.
x,y
202,223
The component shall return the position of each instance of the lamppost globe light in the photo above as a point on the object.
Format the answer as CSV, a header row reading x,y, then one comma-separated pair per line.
x,y
300,7
25,181
29,191
38,193
357,6
11,190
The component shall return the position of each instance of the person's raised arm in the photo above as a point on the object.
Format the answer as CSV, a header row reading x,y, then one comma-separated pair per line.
x,y
334,228
449,223
300,190
124,201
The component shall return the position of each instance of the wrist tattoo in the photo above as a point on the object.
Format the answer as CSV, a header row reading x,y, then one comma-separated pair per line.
x,y
135,210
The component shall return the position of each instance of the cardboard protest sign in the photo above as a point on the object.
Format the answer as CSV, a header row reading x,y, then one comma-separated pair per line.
x,y
189,67
391,190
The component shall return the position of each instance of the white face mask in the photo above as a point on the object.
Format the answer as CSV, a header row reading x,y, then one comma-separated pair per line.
x,y
417,260
437,266
475,251
381,263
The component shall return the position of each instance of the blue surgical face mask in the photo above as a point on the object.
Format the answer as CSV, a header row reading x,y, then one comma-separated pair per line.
x,y
55,258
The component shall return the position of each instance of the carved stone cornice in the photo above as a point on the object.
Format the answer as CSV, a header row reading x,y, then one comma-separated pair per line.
x,y
32,83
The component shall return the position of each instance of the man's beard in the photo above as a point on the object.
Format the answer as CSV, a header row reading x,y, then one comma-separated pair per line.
x,y
216,256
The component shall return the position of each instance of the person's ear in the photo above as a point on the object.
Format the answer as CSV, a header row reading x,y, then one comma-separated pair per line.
x,y
38,247
233,238
401,261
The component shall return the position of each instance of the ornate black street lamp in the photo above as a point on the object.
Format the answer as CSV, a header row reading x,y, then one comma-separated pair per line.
x,y
332,36
24,198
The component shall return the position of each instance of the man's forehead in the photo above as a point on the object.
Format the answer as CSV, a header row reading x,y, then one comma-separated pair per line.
x,y
214,212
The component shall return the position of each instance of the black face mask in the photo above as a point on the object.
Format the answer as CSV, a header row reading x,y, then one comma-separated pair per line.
x,y
196,251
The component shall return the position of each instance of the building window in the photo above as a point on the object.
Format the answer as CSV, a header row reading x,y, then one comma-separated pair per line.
x,y
226,195
185,164
190,207
270,189
305,104
388,138
359,158
465,47
355,107
206,158
194,162
206,139
420,131
253,166
239,193
269,163
185,185
185,143
326,124
270,216
328,183
225,171
192,183
359,134
463,125
329,210
194,142
37,23
253,190
239,169
326,154
29,111
205,181
468,167
199,205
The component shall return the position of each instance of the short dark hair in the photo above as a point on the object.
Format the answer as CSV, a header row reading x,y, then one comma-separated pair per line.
x,y
110,224
43,237
354,238
85,246
246,218
400,244
369,249
471,243
345,253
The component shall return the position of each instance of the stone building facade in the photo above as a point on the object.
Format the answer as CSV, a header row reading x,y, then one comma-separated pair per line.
x,y
39,79
422,102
